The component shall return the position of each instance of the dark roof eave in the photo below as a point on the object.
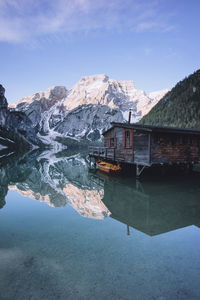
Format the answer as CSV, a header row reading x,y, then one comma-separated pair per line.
x,y
151,128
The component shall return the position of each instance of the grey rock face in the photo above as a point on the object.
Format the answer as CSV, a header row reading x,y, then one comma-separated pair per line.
x,y
15,121
19,123
3,106
36,105
88,121
3,101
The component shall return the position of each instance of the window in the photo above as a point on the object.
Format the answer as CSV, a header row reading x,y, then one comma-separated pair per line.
x,y
106,143
127,139
112,142
180,140
196,142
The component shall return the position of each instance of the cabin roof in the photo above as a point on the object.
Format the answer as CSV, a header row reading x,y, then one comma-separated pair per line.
x,y
151,128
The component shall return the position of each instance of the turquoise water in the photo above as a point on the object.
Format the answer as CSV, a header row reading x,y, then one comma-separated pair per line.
x,y
67,233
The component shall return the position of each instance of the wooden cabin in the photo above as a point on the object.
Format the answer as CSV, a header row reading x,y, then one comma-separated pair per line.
x,y
146,145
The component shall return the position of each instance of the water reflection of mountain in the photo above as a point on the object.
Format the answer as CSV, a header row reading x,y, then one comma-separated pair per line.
x,y
151,207
154,207
55,180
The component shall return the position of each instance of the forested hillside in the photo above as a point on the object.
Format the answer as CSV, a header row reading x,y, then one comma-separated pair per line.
x,y
180,107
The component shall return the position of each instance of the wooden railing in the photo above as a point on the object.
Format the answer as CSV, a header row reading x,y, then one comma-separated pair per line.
x,y
98,151
102,152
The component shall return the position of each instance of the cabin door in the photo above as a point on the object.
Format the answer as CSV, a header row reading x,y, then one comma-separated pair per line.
x,y
141,148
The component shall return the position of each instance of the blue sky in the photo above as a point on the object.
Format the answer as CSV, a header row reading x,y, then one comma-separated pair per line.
x,y
43,43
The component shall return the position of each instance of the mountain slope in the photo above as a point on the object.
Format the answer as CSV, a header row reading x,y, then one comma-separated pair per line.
x,y
88,121
87,109
180,107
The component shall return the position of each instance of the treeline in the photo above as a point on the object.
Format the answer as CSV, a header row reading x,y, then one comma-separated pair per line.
x,y
180,107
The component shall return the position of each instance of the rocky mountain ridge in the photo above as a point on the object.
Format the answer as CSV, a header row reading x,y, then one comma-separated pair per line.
x,y
122,95
87,109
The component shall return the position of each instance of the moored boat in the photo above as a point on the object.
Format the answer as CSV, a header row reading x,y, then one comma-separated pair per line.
x,y
108,167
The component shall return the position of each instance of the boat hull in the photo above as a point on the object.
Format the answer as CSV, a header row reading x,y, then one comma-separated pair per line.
x,y
108,168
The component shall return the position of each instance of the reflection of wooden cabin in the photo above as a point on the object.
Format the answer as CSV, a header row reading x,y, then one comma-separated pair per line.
x,y
153,208
144,145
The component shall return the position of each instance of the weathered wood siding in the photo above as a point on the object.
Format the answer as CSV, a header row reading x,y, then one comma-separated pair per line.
x,y
152,145
141,144
173,148
119,152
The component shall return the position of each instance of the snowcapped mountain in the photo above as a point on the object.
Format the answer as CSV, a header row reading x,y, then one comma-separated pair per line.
x,y
122,95
87,109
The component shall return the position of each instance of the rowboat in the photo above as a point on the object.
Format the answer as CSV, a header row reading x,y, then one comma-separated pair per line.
x,y
108,168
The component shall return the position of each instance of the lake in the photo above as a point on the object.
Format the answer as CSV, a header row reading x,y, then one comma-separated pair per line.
x,y
71,233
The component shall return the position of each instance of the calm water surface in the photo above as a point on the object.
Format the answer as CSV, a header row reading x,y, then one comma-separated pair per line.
x,y
67,233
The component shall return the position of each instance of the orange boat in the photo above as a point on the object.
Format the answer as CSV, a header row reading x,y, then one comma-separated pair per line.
x,y
108,168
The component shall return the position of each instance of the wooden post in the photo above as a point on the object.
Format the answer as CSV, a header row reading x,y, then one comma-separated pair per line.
x,y
98,153
139,170
149,147
128,230
137,184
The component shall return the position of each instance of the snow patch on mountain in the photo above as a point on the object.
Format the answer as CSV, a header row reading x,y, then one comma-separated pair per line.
x,y
156,96
87,109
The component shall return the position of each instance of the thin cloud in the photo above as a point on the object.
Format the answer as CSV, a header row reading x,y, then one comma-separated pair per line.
x,y
26,20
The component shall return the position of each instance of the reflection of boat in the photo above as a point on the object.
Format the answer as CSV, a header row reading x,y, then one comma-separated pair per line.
x,y
108,168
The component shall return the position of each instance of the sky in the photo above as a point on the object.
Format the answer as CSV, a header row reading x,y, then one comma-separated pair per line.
x,y
44,43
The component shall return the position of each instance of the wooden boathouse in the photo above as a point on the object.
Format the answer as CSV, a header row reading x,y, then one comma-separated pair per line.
x,y
146,145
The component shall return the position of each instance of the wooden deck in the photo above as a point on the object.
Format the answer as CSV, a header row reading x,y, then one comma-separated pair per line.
x,y
112,154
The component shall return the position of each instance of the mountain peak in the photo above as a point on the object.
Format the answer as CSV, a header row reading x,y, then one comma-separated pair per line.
x,y
101,89
97,77
52,94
